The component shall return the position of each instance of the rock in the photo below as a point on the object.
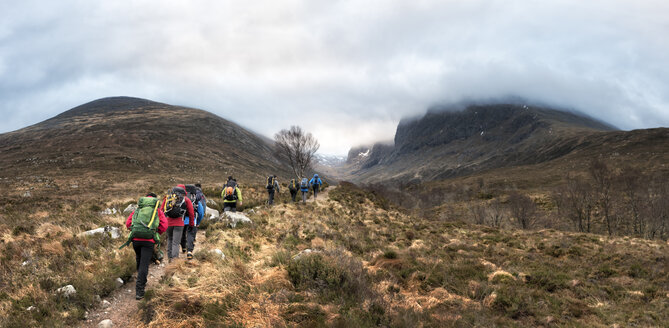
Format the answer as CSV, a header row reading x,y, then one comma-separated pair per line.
x,y
86,315
252,211
235,217
106,304
303,253
98,299
74,186
119,282
109,211
211,213
112,232
131,208
106,324
211,202
31,308
27,194
67,291
219,253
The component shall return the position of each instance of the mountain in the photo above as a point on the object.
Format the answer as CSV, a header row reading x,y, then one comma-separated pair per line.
x,y
448,143
116,138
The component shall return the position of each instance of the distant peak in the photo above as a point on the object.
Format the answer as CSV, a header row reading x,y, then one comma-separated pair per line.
x,y
110,104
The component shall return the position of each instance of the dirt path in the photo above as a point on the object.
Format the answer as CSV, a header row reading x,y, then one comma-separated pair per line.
x,y
123,311
322,195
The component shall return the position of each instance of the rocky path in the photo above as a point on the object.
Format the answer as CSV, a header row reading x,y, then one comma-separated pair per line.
x,y
322,195
122,308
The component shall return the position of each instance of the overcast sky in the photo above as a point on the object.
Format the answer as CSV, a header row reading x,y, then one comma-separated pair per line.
x,y
347,71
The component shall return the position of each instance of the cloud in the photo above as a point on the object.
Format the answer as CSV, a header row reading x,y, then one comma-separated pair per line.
x,y
346,71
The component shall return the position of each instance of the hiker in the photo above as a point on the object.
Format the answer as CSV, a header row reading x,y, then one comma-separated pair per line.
x,y
231,194
143,241
272,186
304,188
315,184
292,187
176,206
188,235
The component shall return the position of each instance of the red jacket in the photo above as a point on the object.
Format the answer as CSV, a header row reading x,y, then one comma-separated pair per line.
x,y
179,222
162,225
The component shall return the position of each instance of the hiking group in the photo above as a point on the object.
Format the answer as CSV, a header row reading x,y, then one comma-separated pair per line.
x,y
293,186
179,214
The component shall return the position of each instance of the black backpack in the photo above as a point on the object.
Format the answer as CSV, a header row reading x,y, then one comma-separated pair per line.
x,y
175,203
270,182
192,194
292,185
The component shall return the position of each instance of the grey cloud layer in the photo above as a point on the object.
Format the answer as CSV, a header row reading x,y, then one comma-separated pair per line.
x,y
345,70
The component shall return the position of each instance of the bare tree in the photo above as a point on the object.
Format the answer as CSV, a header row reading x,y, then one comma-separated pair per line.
x,y
632,183
603,178
297,147
523,209
495,213
575,201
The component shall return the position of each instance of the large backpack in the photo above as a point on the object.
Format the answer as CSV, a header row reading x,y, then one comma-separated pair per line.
x,y
304,184
145,222
270,182
175,206
293,184
229,190
192,194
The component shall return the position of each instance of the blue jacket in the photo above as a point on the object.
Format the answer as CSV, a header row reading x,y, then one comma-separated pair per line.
x,y
315,181
199,214
305,188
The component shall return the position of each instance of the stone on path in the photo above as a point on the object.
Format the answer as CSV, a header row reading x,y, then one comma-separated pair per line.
x,y
106,324
235,217
119,282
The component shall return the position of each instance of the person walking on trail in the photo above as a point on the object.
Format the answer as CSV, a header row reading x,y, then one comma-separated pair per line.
x,y
188,236
304,188
231,194
272,186
315,184
144,237
292,187
176,206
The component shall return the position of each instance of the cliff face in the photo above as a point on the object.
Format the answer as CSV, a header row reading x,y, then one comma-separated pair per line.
x,y
446,143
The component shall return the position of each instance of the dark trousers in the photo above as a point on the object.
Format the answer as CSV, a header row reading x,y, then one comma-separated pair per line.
x,y
230,207
191,232
143,253
184,238
270,201
293,194
316,188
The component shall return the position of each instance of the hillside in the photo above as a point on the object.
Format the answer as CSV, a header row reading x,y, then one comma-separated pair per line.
x,y
352,260
111,140
448,143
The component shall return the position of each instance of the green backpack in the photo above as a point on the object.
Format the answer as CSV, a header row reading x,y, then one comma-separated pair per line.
x,y
144,220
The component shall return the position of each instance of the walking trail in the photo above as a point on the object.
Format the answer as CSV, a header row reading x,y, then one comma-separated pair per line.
x,y
123,311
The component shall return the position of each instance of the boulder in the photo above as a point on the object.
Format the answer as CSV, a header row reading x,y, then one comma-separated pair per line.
x,y
211,213
67,291
106,324
106,304
236,217
219,253
131,208
211,202
109,211
112,232
119,282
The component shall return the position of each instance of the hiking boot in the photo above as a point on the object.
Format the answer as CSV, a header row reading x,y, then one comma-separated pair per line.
x,y
189,256
139,296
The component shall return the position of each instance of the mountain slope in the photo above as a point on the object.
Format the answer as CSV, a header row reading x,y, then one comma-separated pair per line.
x,y
445,144
110,136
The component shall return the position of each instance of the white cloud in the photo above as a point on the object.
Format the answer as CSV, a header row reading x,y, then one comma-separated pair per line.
x,y
352,69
